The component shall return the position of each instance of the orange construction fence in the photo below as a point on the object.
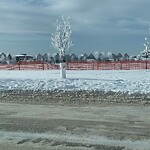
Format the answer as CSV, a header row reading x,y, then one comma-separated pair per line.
x,y
119,65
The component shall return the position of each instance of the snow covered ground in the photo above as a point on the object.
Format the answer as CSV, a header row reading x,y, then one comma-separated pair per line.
x,y
107,80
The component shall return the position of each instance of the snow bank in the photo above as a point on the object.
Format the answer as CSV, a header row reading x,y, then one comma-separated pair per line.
x,y
131,81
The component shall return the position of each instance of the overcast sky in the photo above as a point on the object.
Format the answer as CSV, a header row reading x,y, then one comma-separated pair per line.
x,y
97,25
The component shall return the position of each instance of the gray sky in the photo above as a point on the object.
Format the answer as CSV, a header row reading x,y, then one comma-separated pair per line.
x,y
97,25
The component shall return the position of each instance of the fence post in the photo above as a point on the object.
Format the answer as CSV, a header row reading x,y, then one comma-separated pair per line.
x,y
19,65
43,63
92,65
120,65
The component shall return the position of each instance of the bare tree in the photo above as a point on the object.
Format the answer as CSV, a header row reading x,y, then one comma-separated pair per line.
x,y
61,40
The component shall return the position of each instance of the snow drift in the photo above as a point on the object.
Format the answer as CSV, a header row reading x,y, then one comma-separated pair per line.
x,y
131,81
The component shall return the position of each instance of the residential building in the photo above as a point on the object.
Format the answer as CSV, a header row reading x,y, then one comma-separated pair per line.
x,y
91,57
119,57
39,57
126,56
45,57
74,57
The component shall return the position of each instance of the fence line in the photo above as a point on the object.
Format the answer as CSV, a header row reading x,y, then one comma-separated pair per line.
x,y
122,65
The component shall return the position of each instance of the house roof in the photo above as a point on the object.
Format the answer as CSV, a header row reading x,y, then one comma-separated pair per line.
x,y
91,56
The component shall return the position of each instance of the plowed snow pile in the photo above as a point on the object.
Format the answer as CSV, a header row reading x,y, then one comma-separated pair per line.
x,y
126,81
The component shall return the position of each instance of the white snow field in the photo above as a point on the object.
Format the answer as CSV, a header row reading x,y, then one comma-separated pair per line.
x,y
130,81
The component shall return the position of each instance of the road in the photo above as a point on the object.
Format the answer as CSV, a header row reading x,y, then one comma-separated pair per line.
x,y
30,126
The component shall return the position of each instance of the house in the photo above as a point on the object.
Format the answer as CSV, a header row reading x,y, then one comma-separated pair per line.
x,y
91,57
133,58
100,57
67,58
9,59
126,56
114,57
83,57
119,57
39,57
45,57
74,57
2,57
23,57
103,57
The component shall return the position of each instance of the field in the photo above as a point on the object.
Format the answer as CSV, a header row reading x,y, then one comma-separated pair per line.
x,y
90,110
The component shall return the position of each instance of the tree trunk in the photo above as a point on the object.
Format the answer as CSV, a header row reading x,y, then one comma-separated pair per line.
x,y
63,70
